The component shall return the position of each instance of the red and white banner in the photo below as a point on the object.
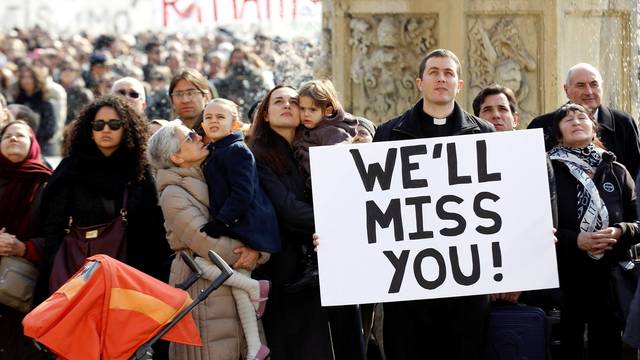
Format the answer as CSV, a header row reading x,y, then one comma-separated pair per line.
x,y
131,16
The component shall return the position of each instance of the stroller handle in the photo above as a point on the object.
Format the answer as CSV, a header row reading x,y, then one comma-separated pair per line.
x,y
196,271
220,263
145,352
225,273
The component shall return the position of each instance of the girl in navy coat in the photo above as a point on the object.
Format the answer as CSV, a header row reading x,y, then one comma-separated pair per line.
x,y
239,208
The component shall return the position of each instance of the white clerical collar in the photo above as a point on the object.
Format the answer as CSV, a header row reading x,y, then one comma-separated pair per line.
x,y
437,121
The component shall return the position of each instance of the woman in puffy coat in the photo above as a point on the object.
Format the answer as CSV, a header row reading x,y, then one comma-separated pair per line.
x,y
177,153
596,226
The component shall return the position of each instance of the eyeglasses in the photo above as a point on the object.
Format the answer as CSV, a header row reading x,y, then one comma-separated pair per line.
x,y
114,124
132,93
191,136
187,93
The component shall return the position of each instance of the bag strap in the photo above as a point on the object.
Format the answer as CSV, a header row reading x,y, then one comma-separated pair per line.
x,y
125,197
123,210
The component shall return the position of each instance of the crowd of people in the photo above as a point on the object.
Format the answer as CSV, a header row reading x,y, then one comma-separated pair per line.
x,y
231,174
55,76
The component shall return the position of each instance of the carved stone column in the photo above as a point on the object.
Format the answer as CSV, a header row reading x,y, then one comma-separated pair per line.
x,y
377,45
322,66
384,51
505,50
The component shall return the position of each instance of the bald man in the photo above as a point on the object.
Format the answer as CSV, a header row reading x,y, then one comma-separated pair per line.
x,y
133,91
617,130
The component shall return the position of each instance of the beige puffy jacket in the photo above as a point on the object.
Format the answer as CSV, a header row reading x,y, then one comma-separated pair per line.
x,y
184,200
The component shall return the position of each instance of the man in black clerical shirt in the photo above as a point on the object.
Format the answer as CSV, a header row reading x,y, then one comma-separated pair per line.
x,y
450,328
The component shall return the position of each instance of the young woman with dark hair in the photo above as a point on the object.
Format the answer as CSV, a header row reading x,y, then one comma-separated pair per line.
x,y
105,156
296,326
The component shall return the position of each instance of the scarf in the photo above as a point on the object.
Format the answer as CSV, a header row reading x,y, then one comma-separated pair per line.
x,y
25,178
591,210
106,174
581,163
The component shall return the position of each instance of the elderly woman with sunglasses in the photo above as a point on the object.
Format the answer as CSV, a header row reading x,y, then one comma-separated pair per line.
x,y
105,165
178,153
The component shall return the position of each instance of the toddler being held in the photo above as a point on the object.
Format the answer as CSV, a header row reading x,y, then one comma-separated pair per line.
x,y
239,209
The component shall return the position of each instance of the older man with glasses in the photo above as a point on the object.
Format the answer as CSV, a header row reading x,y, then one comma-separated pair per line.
x,y
132,90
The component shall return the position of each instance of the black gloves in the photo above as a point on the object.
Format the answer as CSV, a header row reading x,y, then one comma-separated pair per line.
x,y
214,228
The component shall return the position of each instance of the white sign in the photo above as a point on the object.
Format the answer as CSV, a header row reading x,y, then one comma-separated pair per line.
x,y
433,218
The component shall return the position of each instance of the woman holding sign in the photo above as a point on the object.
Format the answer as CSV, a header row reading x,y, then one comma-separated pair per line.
x,y
596,214
296,326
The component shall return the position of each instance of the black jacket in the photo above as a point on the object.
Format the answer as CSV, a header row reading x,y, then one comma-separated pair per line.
x,y
415,328
617,131
407,126
579,274
235,196
293,207
67,195
296,324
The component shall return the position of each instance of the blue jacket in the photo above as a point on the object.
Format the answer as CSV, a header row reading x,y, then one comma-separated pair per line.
x,y
235,196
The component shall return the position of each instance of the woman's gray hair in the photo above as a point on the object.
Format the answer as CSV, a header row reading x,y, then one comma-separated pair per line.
x,y
164,143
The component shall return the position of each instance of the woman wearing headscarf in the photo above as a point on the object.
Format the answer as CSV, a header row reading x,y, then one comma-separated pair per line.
x,y
596,227
22,177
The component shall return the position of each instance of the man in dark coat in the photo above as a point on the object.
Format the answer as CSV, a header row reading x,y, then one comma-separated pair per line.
x,y
498,105
617,130
451,328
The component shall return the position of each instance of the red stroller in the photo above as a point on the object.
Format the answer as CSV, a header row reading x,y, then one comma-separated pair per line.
x,y
109,310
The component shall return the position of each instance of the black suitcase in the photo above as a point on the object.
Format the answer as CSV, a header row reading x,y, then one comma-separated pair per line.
x,y
516,332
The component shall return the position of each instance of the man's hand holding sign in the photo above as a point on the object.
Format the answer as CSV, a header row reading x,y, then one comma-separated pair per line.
x,y
433,218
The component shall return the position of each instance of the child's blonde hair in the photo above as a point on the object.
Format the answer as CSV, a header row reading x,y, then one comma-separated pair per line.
x,y
234,110
322,92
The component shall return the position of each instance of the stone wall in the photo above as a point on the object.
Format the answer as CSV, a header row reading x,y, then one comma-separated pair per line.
x,y
374,49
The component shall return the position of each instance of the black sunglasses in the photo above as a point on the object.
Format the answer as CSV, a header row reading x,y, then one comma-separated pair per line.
x,y
114,124
132,93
